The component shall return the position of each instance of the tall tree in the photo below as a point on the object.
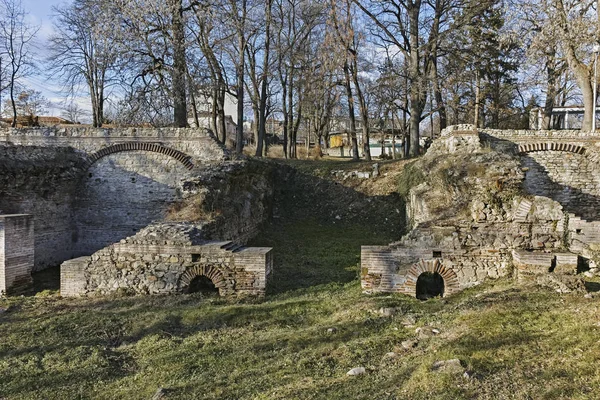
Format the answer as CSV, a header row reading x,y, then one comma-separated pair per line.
x,y
16,36
81,52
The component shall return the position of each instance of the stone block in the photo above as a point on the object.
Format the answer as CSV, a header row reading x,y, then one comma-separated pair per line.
x,y
16,253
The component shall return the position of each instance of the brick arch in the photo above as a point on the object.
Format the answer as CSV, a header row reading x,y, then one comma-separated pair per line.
x,y
450,279
142,146
551,146
209,271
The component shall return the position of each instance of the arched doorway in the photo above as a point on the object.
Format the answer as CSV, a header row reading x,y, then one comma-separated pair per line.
x,y
203,278
430,285
202,284
425,272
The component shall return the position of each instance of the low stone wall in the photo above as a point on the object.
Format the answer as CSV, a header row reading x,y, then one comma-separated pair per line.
x,y
16,253
158,261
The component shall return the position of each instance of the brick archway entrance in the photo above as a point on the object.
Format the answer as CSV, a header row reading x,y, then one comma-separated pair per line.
x,y
432,266
208,271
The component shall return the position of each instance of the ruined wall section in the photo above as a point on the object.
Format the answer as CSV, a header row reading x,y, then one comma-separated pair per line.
x,y
82,202
122,193
232,200
165,258
469,218
16,253
42,182
196,142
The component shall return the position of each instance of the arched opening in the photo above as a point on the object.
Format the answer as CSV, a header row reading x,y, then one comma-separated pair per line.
x,y
430,285
202,284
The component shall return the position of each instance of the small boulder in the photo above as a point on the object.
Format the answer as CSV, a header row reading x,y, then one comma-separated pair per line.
x,y
426,331
388,311
356,371
409,344
452,366
409,320
331,331
160,394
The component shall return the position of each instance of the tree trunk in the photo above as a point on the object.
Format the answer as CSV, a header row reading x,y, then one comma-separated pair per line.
x,y
179,66
364,112
12,102
416,99
262,109
439,99
551,92
285,116
355,155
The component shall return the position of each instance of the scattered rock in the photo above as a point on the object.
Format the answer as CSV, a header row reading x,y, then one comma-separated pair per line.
x,y
409,344
356,371
452,366
375,170
472,375
388,311
426,331
409,320
391,354
161,393
331,331
562,283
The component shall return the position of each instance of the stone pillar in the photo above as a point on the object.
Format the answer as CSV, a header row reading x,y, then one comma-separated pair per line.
x,y
16,253
72,277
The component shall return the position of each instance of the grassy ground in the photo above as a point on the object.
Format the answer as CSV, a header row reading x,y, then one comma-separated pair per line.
x,y
315,325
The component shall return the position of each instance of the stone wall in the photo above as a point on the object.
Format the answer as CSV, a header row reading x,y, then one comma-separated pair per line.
x,y
478,216
42,182
195,142
122,193
16,253
233,200
88,188
164,259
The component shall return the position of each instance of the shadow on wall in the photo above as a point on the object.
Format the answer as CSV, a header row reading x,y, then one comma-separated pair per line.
x,y
121,194
540,180
571,179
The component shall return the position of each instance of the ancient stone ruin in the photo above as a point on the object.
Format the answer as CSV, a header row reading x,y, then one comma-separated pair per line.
x,y
496,203
16,253
135,210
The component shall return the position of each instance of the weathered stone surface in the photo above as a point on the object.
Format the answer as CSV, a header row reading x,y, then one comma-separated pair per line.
x,y
16,253
450,366
356,371
494,201
165,258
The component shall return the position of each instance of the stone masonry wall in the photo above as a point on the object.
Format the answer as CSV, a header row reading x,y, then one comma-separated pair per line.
x,y
122,193
197,143
42,182
495,228
16,253
153,262
80,206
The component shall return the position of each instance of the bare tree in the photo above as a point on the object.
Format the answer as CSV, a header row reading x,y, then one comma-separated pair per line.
x,y
81,52
16,37
73,112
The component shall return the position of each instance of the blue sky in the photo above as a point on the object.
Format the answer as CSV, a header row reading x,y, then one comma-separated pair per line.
x,y
40,14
